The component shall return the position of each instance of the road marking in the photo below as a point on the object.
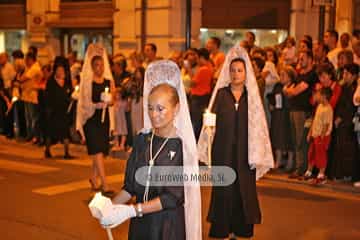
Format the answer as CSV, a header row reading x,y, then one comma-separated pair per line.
x,y
84,162
25,167
74,186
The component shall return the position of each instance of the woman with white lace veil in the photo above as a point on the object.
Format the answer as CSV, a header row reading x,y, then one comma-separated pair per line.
x,y
241,141
161,212
94,118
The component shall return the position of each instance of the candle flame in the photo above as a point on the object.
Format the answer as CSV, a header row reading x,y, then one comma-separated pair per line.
x,y
106,89
77,88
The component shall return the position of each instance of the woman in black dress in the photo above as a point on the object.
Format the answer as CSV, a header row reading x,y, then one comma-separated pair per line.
x,y
162,212
94,116
241,142
56,101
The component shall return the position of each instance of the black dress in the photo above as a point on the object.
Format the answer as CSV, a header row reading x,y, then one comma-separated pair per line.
x,y
97,132
169,223
58,121
345,146
280,121
235,208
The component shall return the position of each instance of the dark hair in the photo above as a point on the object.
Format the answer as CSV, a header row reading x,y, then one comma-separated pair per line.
x,y
96,58
291,40
259,51
120,60
324,46
307,43
252,34
216,40
333,33
290,71
271,49
327,68
326,92
61,61
34,50
352,68
308,53
260,63
238,60
356,34
30,55
17,54
187,52
153,46
47,67
203,52
348,54
164,87
308,38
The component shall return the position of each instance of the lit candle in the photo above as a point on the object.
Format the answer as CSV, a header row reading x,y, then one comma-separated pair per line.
x,y
14,99
77,88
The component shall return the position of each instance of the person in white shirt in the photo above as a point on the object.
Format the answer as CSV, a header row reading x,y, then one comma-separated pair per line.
x,y
331,39
7,71
271,76
30,84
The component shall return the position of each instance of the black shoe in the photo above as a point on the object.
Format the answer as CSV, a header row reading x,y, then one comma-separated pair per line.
x,y
47,154
68,156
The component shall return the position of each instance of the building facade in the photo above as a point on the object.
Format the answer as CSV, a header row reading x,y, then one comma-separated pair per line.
x,y
59,26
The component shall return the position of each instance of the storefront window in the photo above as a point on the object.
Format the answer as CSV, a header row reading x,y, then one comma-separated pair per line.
x,y
79,41
11,40
230,37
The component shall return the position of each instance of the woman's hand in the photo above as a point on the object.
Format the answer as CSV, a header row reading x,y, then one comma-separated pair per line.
x,y
118,214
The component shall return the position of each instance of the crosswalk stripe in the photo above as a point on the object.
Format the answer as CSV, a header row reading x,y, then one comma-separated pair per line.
x,y
83,162
74,186
25,167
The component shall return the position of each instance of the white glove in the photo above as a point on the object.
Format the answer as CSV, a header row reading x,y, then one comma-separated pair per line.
x,y
118,214
100,206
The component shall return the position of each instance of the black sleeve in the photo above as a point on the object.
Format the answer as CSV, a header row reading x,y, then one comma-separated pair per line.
x,y
173,196
131,166
345,108
215,106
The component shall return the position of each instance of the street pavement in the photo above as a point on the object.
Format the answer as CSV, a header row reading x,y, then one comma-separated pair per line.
x,y
47,199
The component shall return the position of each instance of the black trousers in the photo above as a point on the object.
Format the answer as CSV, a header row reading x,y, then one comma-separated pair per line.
x,y
198,104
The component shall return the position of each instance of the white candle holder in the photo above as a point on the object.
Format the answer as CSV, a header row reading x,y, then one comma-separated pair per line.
x,y
105,97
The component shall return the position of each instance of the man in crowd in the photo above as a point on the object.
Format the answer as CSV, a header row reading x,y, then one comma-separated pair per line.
x,y
150,50
250,39
217,57
299,95
331,38
320,51
7,75
200,88
30,83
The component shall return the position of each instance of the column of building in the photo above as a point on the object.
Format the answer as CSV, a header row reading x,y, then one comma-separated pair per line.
x,y
38,14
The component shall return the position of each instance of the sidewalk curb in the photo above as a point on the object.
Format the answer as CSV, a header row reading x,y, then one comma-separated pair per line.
x,y
340,187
